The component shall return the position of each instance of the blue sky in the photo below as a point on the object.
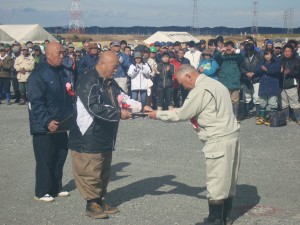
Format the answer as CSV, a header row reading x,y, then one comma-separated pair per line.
x,y
104,13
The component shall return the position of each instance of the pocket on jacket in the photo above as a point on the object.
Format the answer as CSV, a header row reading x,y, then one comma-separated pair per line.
x,y
214,155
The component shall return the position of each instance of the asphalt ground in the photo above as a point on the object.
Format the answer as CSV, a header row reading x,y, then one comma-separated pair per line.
x,y
158,176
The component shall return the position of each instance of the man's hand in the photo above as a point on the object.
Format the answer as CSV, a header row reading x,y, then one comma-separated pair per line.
x,y
286,72
250,74
53,125
201,69
152,115
264,68
125,115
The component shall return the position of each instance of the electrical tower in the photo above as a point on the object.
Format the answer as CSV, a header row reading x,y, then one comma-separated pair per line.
x,y
254,29
285,20
290,21
195,27
76,25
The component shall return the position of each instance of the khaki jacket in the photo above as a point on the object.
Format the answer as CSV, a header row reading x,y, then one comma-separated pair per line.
x,y
5,68
210,104
26,62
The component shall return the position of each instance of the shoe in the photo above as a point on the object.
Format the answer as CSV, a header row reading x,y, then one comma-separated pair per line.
x,y
94,210
63,194
107,208
45,198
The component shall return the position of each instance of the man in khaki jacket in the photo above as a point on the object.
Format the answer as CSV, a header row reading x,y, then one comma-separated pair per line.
x,y
24,64
208,107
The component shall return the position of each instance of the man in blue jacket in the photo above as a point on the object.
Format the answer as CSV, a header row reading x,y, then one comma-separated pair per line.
x,y
121,74
89,60
49,104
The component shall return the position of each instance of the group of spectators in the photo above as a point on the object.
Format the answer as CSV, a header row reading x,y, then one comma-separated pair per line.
x,y
265,78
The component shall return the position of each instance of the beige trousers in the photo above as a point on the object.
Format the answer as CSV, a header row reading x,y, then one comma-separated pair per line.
x,y
91,173
222,157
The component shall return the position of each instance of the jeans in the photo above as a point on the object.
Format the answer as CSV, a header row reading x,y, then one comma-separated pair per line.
x,y
143,96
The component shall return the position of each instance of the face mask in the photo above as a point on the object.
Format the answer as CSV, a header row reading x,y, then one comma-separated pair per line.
x,y
192,49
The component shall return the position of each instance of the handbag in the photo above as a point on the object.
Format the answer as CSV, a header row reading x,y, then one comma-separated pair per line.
x,y
277,119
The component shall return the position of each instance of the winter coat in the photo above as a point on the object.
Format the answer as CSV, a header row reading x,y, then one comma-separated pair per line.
x,y
87,62
5,68
26,62
176,65
194,57
269,80
69,65
210,67
139,74
48,97
184,61
251,66
165,77
97,114
230,74
290,80
124,65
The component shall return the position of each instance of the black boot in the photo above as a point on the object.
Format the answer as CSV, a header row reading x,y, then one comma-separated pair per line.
x,y
227,211
245,111
257,109
215,216
235,108
297,115
287,114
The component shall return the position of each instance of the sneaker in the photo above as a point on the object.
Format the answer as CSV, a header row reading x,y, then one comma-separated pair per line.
x,y
63,194
94,210
107,208
45,198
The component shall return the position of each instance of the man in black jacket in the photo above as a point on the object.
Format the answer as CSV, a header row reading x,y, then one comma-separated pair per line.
x,y
93,137
250,79
49,104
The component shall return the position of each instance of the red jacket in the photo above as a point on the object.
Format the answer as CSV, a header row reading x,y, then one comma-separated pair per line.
x,y
176,67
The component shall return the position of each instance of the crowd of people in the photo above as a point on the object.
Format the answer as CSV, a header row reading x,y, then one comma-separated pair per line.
x,y
264,78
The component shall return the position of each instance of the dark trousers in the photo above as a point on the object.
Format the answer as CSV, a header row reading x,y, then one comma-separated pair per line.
x,y
4,85
50,151
165,97
15,84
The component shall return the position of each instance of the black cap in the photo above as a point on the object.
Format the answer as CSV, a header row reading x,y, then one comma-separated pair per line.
x,y
177,43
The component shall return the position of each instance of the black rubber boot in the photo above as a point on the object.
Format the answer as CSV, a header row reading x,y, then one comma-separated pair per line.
x,y
215,216
235,108
297,115
257,109
227,219
287,114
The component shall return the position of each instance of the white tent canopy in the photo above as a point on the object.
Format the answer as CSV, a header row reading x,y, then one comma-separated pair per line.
x,y
24,33
170,36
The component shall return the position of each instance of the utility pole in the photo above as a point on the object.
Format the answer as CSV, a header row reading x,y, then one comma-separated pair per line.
x,y
195,28
285,21
76,25
254,21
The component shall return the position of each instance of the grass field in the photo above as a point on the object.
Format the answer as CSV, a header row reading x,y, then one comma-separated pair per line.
x,y
105,39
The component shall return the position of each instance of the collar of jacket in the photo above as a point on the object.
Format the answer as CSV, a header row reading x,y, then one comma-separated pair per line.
x,y
55,69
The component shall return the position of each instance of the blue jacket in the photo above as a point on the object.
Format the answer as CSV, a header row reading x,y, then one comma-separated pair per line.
x,y
210,68
269,81
124,65
68,64
184,61
87,62
48,98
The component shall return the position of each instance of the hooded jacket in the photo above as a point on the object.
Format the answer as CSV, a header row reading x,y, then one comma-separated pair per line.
x,y
139,73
